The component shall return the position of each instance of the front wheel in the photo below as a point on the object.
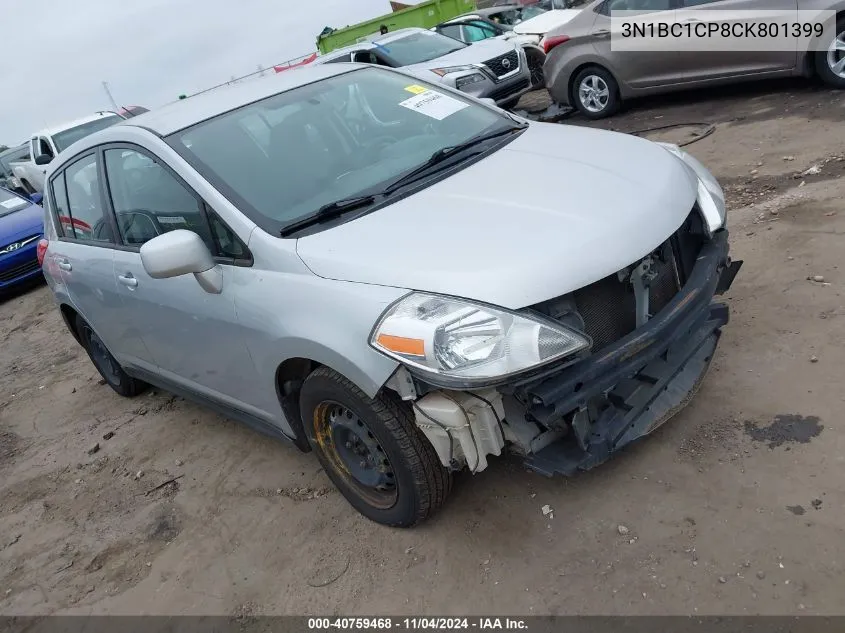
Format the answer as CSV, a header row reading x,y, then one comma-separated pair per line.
x,y
595,93
830,63
372,451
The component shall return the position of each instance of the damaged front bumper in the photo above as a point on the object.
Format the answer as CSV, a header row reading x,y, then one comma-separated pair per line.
x,y
607,400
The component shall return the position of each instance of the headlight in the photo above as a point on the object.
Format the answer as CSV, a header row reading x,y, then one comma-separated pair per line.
x,y
469,80
451,69
457,342
711,198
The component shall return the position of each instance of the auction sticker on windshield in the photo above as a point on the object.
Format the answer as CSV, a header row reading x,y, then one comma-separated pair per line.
x,y
434,104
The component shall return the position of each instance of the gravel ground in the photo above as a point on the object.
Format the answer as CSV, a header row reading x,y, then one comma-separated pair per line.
x,y
733,507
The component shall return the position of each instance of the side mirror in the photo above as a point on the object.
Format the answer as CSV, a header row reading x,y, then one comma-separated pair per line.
x,y
178,253
488,101
37,198
43,159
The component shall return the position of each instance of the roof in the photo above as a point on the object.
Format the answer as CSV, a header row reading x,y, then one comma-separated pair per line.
x,y
55,129
187,112
371,42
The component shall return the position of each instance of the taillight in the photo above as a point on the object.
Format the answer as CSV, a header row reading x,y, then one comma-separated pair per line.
x,y
41,250
549,42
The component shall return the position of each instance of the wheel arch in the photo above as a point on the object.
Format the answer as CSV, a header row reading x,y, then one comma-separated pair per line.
x,y
291,372
69,315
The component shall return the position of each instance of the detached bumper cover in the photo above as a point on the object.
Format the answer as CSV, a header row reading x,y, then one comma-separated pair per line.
x,y
642,380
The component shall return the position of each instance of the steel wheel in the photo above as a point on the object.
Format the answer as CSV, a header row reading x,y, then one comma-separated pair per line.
x,y
103,360
372,450
355,453
594,93
106,364
836,55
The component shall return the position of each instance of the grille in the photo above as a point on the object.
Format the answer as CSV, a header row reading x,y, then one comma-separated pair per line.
x,y
504,92
10,274
498,66
608,306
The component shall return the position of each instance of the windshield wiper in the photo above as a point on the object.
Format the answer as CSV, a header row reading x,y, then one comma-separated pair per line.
x,y
328,212
337,208
442,154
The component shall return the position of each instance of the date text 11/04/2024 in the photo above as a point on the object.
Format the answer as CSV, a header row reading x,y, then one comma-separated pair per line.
x,y
421,623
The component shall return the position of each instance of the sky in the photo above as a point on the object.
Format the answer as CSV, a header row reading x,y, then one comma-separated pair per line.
x,y
58,52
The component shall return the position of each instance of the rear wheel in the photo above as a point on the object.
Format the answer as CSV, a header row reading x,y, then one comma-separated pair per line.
x,y
595,93
373,451
109,368
830,63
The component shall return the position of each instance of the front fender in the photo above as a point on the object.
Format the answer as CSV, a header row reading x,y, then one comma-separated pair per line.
x,y
300,315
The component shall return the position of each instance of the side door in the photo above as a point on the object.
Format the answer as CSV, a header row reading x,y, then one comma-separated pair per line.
x,y
638,69
704,65
84,253
193,336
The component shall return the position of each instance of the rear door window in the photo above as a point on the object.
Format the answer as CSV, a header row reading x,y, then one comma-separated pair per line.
x,y
84,217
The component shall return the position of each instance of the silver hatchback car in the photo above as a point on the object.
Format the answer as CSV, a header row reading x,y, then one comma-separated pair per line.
x,y
329,255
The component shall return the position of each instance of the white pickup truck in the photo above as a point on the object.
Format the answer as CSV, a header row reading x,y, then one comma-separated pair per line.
x,y
46,144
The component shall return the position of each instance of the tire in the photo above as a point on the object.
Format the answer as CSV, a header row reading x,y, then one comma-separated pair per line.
x,y
535,67
826,59
106,364
372,451
595,93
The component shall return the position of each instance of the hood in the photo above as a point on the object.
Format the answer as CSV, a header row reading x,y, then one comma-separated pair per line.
x,y
14,226
473,54
545,22
555,210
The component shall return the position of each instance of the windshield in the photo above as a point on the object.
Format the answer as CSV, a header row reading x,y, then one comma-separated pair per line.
x,y
19,155
65,139
9,203
418,47
286,156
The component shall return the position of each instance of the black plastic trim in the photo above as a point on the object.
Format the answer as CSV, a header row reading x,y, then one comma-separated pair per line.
x,y
552,397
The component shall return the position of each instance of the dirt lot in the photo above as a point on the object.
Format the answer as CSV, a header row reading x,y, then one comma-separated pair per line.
x,y
736,506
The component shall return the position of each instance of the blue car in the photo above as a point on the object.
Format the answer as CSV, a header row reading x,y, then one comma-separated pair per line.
x,y
21,227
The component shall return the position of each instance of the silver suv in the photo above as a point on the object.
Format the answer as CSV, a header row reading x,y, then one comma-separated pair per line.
x,y
329,255
493,69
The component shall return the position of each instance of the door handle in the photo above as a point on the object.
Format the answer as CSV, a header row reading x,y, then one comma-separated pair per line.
x,y
64,265
128,280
